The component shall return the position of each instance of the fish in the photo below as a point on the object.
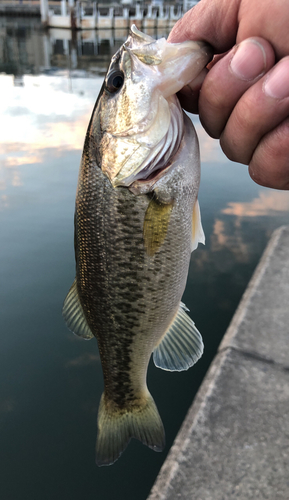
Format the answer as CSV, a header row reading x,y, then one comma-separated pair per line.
x,y
137,220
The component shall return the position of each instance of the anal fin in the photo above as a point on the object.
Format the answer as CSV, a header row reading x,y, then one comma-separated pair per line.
x,y
182,345
74,316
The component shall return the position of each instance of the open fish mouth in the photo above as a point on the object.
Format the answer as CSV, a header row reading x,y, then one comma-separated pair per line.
x,y
159,157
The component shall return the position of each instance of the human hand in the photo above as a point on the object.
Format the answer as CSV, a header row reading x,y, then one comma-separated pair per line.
x,y
244,98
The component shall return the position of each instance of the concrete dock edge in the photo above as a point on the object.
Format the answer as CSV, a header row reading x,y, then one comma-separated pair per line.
x,y
234,442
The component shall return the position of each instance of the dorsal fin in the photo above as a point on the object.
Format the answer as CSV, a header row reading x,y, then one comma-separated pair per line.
x,y
74,316
198,235
181,346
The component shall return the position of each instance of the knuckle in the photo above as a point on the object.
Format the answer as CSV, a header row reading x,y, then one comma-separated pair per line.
x,y
213,95
241,134
235,145
269,165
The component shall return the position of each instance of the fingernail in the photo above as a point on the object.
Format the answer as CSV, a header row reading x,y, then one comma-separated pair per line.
x,y
249,61
277,83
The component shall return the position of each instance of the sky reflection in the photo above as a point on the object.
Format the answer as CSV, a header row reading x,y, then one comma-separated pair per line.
x,y
268,202
51,380
46,113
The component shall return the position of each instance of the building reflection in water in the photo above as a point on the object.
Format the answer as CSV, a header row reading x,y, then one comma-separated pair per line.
x,y
25,48
51,382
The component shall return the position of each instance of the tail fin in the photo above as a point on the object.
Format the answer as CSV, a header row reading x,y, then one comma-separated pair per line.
x,y
115,429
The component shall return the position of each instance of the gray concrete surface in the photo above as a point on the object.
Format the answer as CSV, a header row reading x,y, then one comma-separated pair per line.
x,y
234,442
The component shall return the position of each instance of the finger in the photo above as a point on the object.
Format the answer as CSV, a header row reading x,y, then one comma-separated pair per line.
x,y
215,59
223,24
261,109
229,79
213,22
189,95
270,162
265,19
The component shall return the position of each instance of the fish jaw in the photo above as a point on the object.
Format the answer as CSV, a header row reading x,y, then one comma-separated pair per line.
x,y
173,65
132,127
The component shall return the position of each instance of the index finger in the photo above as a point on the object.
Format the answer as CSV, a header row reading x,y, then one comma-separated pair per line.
x,y
224,23
213,22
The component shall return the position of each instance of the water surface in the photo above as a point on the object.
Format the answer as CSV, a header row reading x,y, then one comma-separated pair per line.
x,y
51,381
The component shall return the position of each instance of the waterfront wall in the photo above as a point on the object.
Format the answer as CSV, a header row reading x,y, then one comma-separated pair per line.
x,y
234,441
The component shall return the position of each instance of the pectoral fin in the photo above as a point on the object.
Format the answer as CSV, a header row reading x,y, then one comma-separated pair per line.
x,y
155,227
182,345
74,316
198,235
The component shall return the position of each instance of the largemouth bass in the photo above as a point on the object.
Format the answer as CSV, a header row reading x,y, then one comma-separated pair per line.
x,y
137,220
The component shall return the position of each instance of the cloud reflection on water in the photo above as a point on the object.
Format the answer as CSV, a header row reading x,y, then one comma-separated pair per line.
x,y
230,237
231,241
268,203
228,233
46,113
83,360
57,393
43,113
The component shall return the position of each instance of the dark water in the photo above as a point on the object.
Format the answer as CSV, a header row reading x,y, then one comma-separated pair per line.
x,y
51,381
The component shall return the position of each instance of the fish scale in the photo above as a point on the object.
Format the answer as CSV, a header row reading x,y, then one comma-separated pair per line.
x,y
133,243
119,314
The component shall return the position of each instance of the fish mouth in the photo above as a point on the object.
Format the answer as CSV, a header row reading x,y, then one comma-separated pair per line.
x,y
159,158
146,125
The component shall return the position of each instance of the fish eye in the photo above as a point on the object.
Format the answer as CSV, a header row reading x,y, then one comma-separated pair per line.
x,y
114,81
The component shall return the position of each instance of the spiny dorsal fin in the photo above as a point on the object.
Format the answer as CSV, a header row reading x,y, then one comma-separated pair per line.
x,y
198,235
182,345
156,224
74,316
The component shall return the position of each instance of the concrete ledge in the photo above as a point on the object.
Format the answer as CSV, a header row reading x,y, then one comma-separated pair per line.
x,y
234,442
